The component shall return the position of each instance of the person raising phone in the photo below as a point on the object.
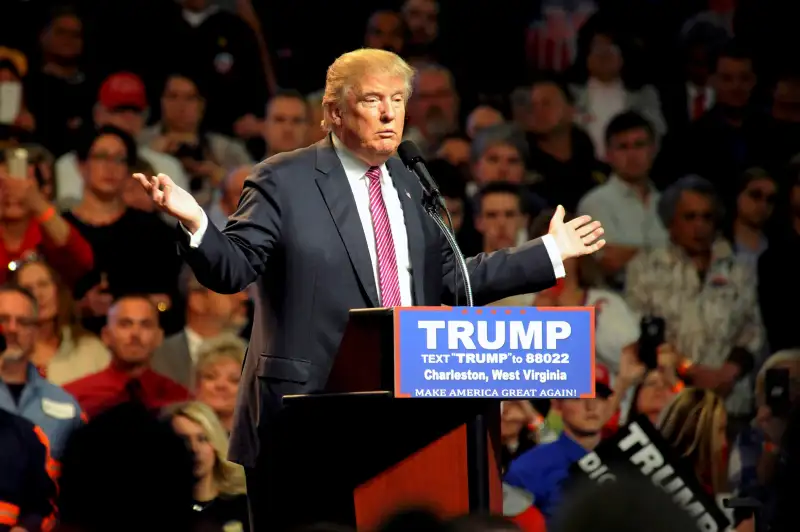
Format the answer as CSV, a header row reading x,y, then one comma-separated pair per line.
x,y
31,226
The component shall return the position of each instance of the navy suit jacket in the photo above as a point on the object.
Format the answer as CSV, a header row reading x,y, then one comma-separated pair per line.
x,y
297,234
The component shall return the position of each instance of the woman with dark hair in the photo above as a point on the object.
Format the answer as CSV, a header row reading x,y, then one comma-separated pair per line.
x,y
602,89
134,250
755,204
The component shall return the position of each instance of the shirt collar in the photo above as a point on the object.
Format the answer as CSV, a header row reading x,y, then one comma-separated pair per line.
x,y
618,183
572,449
354,168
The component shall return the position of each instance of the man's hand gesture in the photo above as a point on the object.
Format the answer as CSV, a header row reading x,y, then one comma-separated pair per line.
x,y
173,200
578,237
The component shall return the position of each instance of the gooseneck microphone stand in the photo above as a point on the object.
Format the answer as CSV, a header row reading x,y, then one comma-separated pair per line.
x,y
477,430
430,204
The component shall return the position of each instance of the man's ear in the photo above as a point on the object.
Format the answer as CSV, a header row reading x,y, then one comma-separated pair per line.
x,y
336,115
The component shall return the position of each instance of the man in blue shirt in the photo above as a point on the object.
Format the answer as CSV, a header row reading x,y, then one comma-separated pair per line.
x,y
23,391
543,469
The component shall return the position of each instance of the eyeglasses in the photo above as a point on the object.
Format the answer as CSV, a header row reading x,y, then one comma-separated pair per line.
x,y
109,158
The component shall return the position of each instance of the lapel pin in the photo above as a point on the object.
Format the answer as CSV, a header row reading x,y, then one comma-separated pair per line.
x,y
408,194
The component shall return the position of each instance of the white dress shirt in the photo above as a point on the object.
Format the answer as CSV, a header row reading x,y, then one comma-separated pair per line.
x,y
193,343
691,94
356,170
606,100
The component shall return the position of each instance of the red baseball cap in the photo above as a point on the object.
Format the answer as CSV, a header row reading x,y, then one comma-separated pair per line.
x,y
123,90
602,381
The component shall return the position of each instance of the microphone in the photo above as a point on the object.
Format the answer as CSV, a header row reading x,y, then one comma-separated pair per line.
x,y
411,156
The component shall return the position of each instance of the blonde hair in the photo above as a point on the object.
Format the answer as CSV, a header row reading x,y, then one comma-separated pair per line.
x,y
228,477
225,346
348,69
689,424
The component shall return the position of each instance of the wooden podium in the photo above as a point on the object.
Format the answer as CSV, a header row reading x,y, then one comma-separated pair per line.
x,y
357,454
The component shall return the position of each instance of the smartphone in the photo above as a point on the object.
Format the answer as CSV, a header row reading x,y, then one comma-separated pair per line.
x,y
777,383
652,331
17,162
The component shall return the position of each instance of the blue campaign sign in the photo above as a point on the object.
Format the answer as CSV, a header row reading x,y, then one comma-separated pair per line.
x,y
503,352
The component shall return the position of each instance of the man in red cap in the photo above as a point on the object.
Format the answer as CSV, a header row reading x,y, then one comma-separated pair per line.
x,y
122,103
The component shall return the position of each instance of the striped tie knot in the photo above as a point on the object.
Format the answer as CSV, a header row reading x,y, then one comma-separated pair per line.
x,y
374,173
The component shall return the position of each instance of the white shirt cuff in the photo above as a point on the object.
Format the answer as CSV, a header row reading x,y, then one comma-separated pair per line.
x,y
553,252
196,239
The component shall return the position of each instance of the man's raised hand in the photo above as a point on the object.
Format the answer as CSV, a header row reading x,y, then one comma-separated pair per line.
x,y
578,237
173,200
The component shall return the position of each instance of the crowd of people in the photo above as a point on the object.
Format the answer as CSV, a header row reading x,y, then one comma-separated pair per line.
x,y
692,168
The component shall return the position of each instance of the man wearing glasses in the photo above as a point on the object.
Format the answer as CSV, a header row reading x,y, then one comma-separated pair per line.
x,y
23,391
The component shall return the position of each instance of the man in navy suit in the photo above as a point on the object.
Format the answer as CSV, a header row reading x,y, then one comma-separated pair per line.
x,y
335,226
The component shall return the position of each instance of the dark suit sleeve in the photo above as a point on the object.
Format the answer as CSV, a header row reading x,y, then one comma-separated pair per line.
x,y
505,273
228,261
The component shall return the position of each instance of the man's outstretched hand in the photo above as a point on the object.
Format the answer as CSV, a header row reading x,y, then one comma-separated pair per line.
x,y
173,200
578,237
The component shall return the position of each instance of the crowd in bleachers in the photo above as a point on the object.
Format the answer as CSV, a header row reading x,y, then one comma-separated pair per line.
x,y
676,126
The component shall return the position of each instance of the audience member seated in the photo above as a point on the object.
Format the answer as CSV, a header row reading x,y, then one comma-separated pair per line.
x,y
755,203
134,250
121,103
22,390
455,149
17,123
626,203
229,192
729,137
208,315
755,453
499,153
217,375
64,350
543,469
705,295
562,157
517,430
30,225
607,90
501,216
132,334
654,391
433,109
452,184
315,131
123,460
482,117
286,123
205,156
219,490
778,282
26,489
694,424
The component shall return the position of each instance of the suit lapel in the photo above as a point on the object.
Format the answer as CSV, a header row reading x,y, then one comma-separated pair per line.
x,y
409,190
338,196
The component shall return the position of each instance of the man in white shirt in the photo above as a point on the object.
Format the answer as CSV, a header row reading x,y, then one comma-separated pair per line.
x,y
122,103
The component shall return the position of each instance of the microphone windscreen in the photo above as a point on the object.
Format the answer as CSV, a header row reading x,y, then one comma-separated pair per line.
x,y
409,152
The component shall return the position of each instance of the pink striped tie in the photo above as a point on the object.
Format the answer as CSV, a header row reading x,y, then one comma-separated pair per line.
x,y
384,243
